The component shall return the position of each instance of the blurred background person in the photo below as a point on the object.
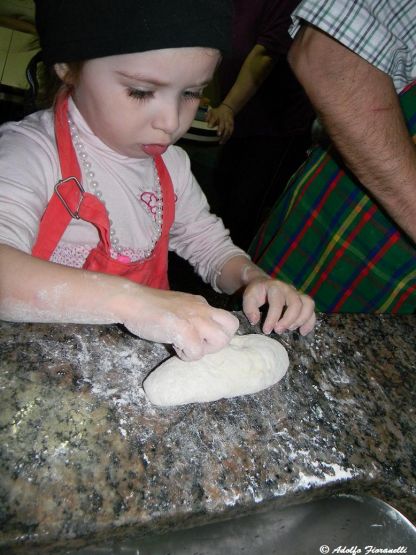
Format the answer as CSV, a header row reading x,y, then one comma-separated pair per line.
x,y
264,118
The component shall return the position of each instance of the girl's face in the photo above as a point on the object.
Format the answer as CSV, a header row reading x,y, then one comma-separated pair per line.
x,y
139,104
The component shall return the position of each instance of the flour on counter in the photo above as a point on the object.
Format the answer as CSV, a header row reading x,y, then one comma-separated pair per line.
x,y
336,474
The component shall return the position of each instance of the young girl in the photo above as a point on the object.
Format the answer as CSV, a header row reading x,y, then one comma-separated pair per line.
x,y
93,194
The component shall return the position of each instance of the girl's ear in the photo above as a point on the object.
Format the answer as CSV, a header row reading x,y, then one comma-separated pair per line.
x,y
62,71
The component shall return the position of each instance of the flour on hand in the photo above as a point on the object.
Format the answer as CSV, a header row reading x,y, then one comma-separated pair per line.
x,y
248,364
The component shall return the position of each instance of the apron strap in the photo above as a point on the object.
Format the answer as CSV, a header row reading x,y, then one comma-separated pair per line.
x,y
55,219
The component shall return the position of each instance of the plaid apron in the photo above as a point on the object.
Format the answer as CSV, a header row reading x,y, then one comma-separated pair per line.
x,y
330,240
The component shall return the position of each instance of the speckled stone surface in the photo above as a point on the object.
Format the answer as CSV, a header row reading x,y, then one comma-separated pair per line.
x,y
84,455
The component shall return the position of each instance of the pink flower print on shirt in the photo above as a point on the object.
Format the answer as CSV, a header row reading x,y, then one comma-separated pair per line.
x,y
150,200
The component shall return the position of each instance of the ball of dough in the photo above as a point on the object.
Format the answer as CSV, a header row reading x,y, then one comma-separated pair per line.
x,y
248,364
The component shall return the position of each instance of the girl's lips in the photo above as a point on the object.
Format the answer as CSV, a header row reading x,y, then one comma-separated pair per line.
x,y
155,150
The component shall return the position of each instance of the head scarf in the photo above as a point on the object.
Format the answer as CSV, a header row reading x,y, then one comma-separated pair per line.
x,y
75,30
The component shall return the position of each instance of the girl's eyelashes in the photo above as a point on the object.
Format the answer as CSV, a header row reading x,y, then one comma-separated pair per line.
x,y
140,94
193,95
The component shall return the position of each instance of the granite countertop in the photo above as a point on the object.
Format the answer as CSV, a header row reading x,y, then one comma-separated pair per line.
x,y
84,455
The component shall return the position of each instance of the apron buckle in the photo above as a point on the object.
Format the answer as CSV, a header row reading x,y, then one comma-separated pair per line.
x,y
72,213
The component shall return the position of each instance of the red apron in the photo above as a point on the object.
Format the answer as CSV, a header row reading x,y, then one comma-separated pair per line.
x,y
71,201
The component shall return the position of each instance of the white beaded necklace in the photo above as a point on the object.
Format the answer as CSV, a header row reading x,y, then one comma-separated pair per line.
x,y
156,212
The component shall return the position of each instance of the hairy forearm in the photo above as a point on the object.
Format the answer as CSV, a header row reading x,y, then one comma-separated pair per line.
x,y
255,69
359,109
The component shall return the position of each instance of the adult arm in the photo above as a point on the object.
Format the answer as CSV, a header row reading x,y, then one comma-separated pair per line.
x,y
359,108
255,69
34,290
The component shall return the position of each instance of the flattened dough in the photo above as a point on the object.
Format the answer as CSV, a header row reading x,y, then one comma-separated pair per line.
x,y
248,364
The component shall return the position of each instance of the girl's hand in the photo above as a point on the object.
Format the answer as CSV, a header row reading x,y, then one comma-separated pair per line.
x,y
188,322
288,308
223,118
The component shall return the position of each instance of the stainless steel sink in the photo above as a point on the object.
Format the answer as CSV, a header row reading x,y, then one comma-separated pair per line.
x,y
349,524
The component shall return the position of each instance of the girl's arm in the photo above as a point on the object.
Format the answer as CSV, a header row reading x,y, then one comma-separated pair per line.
x,y
288,308
34,290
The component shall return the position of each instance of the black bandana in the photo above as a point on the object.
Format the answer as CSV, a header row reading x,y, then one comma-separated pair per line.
x,y
75,30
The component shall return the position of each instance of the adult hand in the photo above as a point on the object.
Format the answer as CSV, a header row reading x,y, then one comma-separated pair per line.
x,y
221,117
288,308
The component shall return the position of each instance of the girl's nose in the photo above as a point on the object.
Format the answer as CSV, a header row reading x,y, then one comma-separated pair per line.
x,y
167,117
